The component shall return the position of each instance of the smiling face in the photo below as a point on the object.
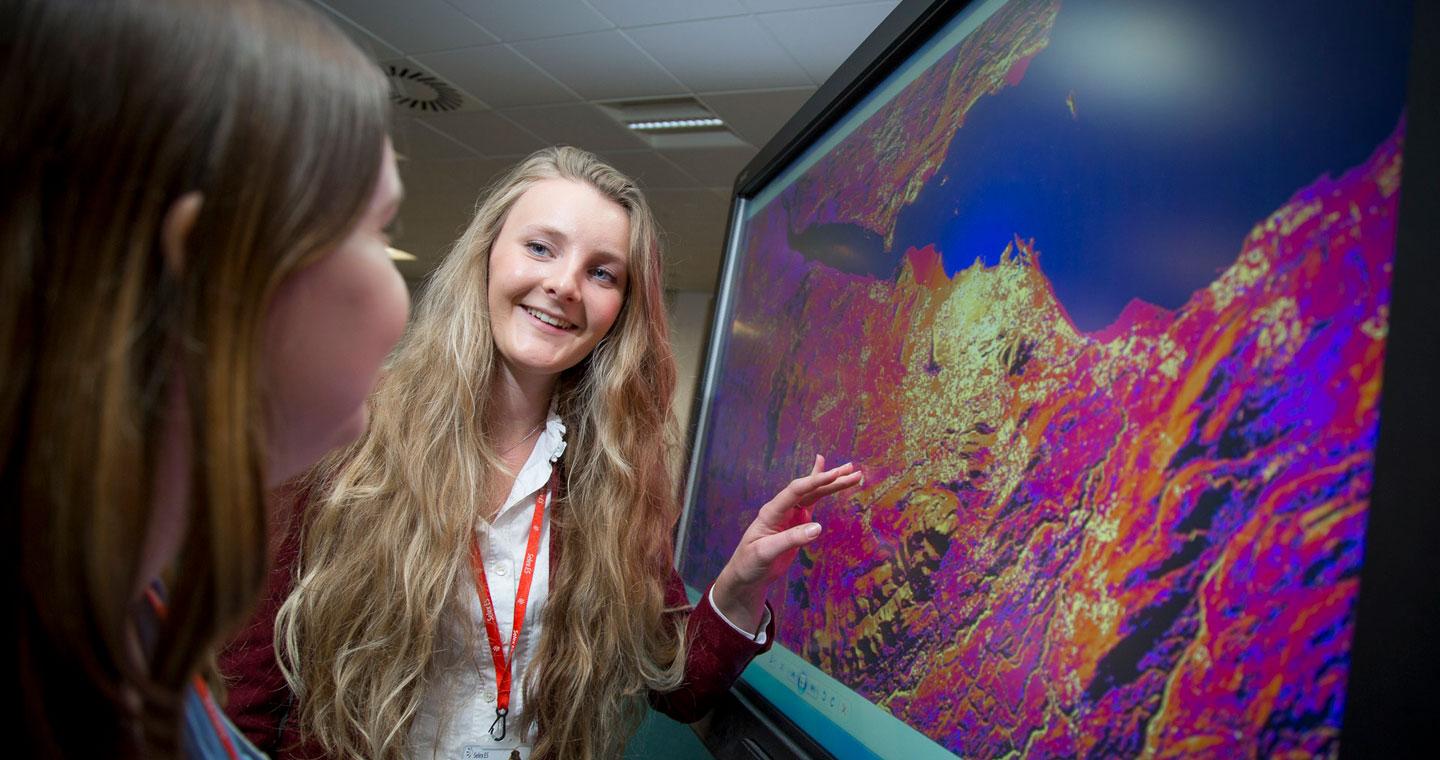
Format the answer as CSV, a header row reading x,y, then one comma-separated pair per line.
x,y
558,271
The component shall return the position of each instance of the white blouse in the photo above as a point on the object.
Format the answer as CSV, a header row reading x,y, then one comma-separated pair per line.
x,y
459,702
458,706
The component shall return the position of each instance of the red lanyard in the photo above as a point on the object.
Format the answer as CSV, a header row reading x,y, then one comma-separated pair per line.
x,y
522,598
202,690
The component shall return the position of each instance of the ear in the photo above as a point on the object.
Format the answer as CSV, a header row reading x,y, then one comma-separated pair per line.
x,y
175,230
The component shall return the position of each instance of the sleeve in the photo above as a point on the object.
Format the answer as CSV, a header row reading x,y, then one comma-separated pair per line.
x,y
260,700
716,653
758,638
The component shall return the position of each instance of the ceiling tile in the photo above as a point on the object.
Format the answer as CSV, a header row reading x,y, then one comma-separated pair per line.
x,y
420,26
440,182
440,196
487,132
417,141
372,45
533,19
681,207
716,167
768,6
580,124
497,75
822,38
643,12
693,223
757,116
601,66
721,54
649,169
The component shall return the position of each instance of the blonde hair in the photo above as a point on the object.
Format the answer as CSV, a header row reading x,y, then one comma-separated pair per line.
x,y
113,111
386,544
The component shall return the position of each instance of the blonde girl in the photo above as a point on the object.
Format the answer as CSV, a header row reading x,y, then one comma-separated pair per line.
x,y
534,387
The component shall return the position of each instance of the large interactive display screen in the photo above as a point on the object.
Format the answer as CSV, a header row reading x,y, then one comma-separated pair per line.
x,y
1097,294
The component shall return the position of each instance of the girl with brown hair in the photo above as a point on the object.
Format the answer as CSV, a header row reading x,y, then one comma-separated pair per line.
x,y
520,457
195,300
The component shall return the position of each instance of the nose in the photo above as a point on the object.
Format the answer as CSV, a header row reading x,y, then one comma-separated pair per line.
x,y
563,283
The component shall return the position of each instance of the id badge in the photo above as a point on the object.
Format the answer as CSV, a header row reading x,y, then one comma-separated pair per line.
x,y
482,752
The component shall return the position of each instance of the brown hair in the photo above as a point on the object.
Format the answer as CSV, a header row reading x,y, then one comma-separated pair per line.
x,y
386,549
112,111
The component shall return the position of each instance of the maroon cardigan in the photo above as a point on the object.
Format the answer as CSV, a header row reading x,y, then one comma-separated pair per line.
x,y
262,705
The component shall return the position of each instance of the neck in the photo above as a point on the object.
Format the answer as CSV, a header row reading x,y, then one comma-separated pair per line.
x,y
521,405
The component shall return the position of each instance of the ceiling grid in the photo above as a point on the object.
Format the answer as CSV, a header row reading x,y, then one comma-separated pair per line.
x,y
535,73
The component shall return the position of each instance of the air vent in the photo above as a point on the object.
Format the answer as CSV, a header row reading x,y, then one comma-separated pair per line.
x,y
417,90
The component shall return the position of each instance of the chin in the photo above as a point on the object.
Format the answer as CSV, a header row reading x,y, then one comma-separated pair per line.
x,y
541,366
302,451
348,432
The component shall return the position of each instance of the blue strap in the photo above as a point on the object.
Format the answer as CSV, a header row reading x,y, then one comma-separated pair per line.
x,y
199,741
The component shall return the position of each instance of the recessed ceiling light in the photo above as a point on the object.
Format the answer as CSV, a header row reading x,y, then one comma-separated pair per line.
x,y
398,255
672,123
675,125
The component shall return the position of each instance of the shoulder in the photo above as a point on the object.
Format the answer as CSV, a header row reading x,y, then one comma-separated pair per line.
x,y
207,733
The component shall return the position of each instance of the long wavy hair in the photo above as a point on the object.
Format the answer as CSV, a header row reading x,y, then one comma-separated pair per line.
x,y
384,559
112,111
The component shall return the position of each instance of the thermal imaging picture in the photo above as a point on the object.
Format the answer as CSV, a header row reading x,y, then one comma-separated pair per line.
x,y
1097,296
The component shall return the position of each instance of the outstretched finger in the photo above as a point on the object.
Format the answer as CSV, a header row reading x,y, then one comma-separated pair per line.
x,y
802,488
801,494
772,547
841,483
817,481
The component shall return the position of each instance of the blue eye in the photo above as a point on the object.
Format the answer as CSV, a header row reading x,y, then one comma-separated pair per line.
x,y
605,275
537,248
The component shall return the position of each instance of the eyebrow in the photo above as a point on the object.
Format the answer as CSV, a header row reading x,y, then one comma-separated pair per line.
x,y
612,258
543,229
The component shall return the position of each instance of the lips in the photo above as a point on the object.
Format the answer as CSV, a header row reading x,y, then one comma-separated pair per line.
x,y
549,319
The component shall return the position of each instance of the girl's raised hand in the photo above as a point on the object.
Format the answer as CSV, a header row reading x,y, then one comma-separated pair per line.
x,y
772,540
